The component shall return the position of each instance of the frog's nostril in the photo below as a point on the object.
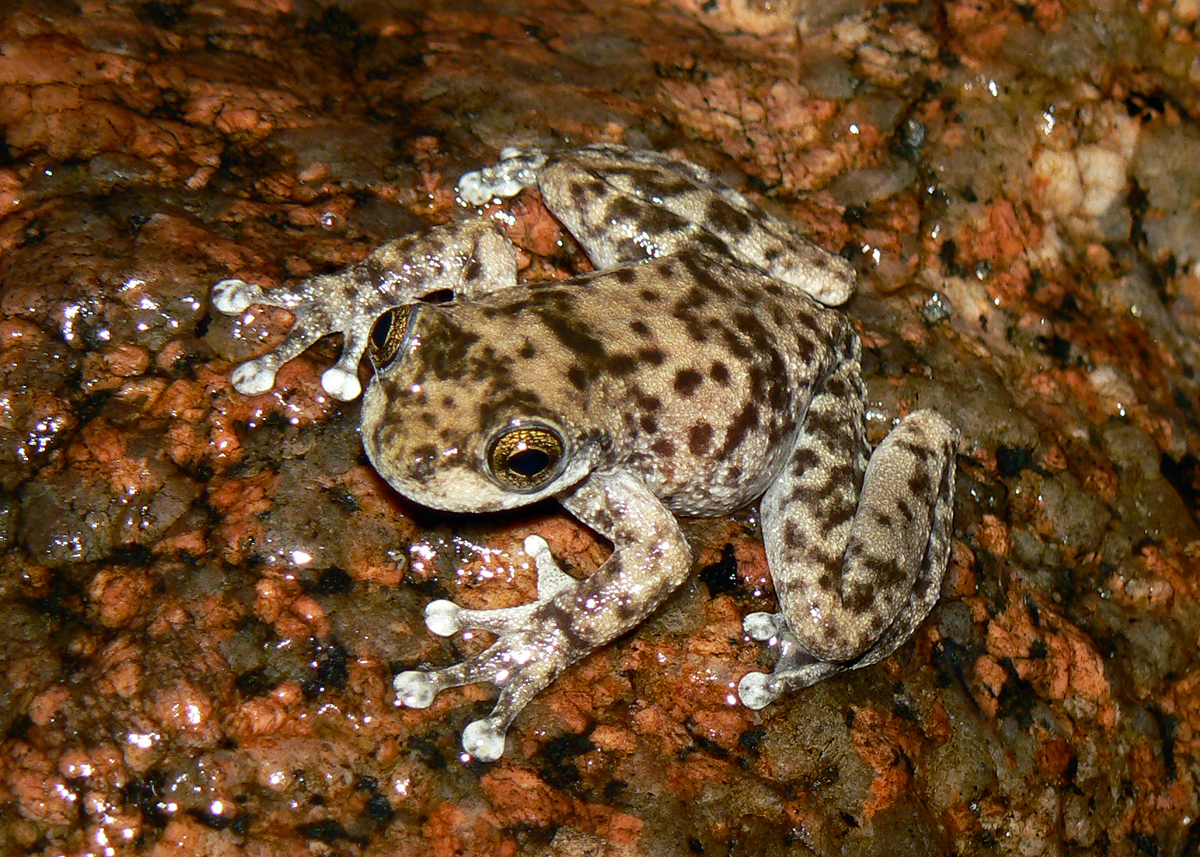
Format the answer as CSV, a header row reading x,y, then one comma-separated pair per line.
x,y
423,466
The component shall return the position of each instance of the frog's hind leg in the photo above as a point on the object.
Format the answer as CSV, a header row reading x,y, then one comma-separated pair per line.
x,y
570,618
856,571
624,205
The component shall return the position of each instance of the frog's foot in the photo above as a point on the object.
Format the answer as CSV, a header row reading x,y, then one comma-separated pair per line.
x,y
530,650
517,170
320,307
795,669
351,300
233,297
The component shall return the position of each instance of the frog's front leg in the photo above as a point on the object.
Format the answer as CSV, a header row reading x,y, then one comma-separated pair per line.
x,y
855,571
571,617
470,258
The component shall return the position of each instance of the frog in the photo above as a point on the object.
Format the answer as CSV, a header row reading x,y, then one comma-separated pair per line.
x,y
701,367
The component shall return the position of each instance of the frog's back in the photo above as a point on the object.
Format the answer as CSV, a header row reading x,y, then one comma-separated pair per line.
x,y
700,369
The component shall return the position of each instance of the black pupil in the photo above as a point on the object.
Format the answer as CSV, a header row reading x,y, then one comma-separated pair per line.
x,y
528,462
379,333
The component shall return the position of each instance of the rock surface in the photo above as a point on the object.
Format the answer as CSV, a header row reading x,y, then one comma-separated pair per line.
x,y
205,596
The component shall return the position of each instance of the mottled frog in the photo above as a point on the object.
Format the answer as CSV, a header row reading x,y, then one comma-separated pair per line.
x,y
698,369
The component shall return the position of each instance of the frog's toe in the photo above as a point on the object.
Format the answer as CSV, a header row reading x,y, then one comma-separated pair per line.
x,y
235,296
442,617
551,579
761,626
415,689
445,618
539,549
484,739
341,384
755,690
795,669
255,376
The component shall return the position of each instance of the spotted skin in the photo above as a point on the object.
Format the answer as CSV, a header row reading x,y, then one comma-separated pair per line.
x,y
700,368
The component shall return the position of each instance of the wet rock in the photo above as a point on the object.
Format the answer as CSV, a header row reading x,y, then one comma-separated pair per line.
x,y
206,595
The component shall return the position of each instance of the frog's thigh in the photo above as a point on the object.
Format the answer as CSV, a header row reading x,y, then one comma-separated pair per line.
x,y
624,205
699,211
851,576
903,526
613,226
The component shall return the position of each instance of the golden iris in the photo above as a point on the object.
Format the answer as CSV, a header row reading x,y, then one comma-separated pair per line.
x,y
526,457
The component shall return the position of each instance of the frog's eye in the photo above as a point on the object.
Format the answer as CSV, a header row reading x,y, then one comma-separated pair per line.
x,y
387,337
527,457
